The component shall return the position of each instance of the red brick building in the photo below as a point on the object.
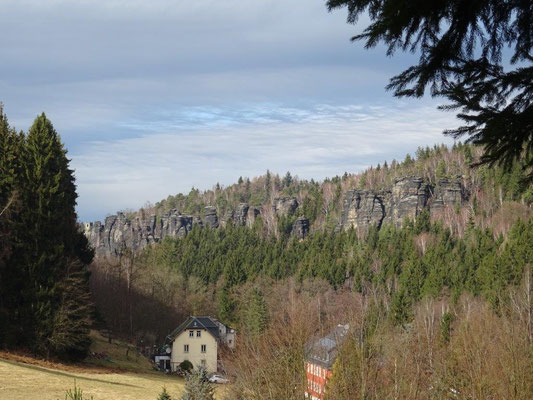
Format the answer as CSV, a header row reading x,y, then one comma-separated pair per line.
x,y
321,354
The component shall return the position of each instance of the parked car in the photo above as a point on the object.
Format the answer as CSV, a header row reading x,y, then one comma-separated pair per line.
x,y
218,379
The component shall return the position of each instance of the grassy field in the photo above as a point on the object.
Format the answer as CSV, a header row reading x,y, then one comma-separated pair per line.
x,y
23,381
125,376
119,355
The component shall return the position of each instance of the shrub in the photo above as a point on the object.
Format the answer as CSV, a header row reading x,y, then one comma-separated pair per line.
x,y
186,366
197,386
75,394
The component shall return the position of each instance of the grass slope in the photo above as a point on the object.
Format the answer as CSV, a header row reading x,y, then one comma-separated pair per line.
x,y
125,377
23,381
123,356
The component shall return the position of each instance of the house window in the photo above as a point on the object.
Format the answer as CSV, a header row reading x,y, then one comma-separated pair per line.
x,y
204,348
191,333
198,333
203,363
185,348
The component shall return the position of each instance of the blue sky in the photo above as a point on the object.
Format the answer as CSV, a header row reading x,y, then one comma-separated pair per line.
x,y
154,97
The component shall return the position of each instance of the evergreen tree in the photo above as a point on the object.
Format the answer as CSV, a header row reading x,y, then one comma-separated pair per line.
x,y
400,307
51,253
408,160
441,170
491,87
268,186
11,281
287,180
256,316
446,326
164,395
225,305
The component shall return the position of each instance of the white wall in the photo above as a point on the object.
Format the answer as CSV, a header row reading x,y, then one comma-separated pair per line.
x,y
195,355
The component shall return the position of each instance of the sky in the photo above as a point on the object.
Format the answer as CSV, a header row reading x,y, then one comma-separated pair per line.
x,y
154,97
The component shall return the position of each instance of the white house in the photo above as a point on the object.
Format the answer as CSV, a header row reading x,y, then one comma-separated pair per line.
x,y
197,340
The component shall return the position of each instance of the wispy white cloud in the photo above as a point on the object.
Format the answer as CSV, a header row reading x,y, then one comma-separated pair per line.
x,y
154,97
311,143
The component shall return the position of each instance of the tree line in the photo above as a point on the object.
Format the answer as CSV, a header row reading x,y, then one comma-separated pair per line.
x,y
44,293
480,247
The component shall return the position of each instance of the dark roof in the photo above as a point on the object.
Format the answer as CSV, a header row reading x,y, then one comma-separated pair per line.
x,y
193,322
323,351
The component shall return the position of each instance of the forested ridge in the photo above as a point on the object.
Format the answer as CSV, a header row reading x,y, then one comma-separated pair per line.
x,y
419,296
321,201
439,307
478,247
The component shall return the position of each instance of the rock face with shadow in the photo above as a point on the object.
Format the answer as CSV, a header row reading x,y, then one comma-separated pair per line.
x,y
244,215
285,206
119,235
300,228
406,198
211,217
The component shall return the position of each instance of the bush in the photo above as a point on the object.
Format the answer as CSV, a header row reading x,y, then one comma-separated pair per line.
x,y
75,394
186,366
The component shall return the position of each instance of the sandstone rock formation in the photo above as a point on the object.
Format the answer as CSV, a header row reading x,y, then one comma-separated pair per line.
x,y
285,206
118,235
211,217
244,215
301,227
407,197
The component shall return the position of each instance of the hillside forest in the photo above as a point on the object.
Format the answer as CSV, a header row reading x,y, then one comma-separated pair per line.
x,y
440,306
421,296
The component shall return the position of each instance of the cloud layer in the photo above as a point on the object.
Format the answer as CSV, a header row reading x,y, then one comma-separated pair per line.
x,y
152,98
311,143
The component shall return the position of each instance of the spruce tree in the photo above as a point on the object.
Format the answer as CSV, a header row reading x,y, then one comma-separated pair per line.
x,y
256,317
287,180
400,307
477,54
268,186
11,145
55,253
164,395
225,305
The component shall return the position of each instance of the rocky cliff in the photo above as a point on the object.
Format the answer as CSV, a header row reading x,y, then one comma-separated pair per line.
x,y
407,198
119,234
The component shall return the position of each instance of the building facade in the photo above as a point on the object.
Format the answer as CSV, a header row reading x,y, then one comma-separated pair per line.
x,y
195,340
226,334
320,356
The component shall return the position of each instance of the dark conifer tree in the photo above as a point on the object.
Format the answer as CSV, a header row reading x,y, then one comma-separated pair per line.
x,y
225,305
256,316
461,57
11,146
54,254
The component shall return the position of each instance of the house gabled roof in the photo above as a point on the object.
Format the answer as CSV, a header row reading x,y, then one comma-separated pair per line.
x,y
323,351
196,322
